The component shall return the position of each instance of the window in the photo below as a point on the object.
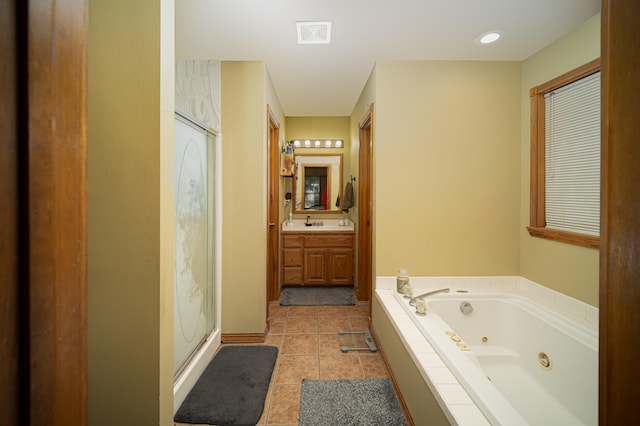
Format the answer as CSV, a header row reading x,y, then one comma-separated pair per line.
x,y
565,157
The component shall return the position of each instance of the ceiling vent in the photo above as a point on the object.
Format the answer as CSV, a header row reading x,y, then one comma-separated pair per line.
x,y
314,32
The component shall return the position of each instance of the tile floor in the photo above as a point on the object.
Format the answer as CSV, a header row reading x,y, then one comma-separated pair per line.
x,y
309,348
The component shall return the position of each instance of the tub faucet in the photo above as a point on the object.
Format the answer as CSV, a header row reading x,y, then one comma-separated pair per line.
x,y
412,302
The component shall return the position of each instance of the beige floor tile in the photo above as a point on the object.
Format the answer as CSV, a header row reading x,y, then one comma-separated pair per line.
x,y
332,311
285,405
352,340
333,324
372,365
267,402
292,369
273,340
359,323
359,310
299,344
303,311
304,325
345,366
277,325
329,344
275,310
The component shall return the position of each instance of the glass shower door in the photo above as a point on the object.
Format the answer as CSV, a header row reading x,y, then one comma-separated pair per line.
x,y
193,281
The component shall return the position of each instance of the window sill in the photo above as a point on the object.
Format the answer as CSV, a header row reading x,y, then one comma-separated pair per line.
x,y
565,237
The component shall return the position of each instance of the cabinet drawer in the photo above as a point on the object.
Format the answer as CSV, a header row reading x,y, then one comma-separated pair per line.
x,y
292,275
292,240
329,241
292,257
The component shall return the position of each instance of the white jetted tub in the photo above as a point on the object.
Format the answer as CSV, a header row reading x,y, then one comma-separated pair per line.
x,y
519,360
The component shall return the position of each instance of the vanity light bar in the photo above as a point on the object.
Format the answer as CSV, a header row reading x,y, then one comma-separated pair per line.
x,y
317,143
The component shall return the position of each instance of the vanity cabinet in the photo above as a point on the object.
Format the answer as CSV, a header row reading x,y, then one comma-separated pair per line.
x,y
318,258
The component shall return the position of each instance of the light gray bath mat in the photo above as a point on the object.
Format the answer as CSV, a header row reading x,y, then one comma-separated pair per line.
x,y
349,402
317,296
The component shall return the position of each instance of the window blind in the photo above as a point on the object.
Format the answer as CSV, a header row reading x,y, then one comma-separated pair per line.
x,y
572,157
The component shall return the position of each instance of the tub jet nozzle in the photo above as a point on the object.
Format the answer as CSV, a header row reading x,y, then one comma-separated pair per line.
x,y
466,308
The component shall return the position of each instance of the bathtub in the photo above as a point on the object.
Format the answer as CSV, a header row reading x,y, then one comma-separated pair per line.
x,y
519,360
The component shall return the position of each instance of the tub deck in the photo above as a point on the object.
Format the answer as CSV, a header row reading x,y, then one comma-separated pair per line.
x,y
470,384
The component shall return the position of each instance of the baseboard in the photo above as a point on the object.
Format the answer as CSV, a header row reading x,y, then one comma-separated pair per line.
x,y
392,378
245,337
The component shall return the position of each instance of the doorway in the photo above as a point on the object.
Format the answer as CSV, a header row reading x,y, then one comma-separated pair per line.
x,y
273,206
365,207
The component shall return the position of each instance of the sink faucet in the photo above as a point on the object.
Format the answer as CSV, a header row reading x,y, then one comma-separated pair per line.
x,y
412,302
308,218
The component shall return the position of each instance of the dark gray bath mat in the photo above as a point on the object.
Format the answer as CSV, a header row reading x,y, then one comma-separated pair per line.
x,y
232,389
349,402
317,296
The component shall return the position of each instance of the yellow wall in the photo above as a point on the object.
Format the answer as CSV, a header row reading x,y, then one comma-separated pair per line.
x,y
446,164
566,268
244,163
130,212
318,127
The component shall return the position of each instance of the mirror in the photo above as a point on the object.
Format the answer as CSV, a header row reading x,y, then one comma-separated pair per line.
x,y
318,185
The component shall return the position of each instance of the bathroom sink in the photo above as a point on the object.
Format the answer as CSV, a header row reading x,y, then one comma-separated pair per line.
x,y
328,225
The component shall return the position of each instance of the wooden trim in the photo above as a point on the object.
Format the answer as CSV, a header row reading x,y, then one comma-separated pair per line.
x,y
605,407
537,219
43,258
619,221
569,77
244,337
365,207
57,170
273,207
536,170
565,237
13,393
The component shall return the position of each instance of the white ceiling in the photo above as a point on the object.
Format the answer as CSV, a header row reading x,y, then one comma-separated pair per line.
x,y
326,80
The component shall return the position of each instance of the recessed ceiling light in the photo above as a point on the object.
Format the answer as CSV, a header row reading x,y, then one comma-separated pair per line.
x,y
318,32
490,37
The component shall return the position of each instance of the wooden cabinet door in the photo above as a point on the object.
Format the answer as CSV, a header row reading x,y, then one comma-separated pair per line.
x,y
318,259
315,266
341,266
